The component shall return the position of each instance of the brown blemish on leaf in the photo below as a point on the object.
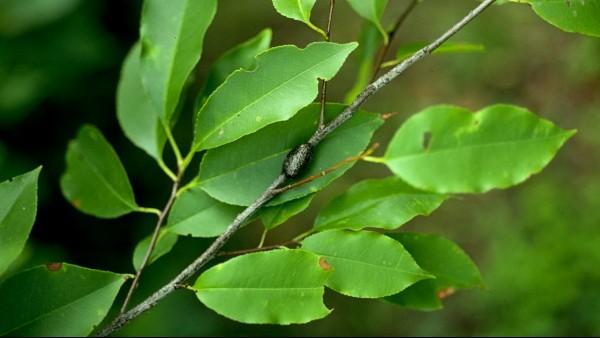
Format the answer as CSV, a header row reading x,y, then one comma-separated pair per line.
x,y
54,266
324,265
426,140
447,292
76,203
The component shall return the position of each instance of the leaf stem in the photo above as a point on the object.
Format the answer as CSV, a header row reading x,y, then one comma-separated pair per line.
x,y
173,144
373,159
166,169
262,238
149,211
269,193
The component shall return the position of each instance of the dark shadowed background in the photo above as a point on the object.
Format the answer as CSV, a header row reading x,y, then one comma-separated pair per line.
x,y
538,244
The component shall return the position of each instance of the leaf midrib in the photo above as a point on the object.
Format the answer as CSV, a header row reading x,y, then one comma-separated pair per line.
x,y
470,146
174,55
315,288
375,265
261,97
105,181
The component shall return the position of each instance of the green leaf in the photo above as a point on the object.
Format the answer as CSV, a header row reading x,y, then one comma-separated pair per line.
x,y
56,300
365,264
371,10
298,10
284,81
253,162
172,36
135,112
574,16
276,215
451,266
17,214
275,287
407,50
165,242
382,203
369,44
197,214
95,181
448,149
242,56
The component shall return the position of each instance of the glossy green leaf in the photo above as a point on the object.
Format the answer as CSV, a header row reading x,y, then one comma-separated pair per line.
x,y
284,81
448,149
451,266
369,44
297,10
365,264
381,203
164,244
17,214
276,215
254,161
371,10
95,181
135,112
172,35
56,300
407,50
575,16
274,287
242,56
196,214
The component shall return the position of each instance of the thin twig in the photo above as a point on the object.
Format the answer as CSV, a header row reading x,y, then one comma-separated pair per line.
x,y
391,34
323,83
153,241
268,194
259,249
263,237
387,116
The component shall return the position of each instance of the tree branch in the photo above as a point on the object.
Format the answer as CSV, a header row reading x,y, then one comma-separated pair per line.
x,y
269,193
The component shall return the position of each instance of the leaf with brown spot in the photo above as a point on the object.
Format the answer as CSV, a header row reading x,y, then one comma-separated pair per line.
x,y
324,265
54,266
496,147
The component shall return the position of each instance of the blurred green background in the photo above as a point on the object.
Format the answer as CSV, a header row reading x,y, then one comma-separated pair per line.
x,y
538,244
